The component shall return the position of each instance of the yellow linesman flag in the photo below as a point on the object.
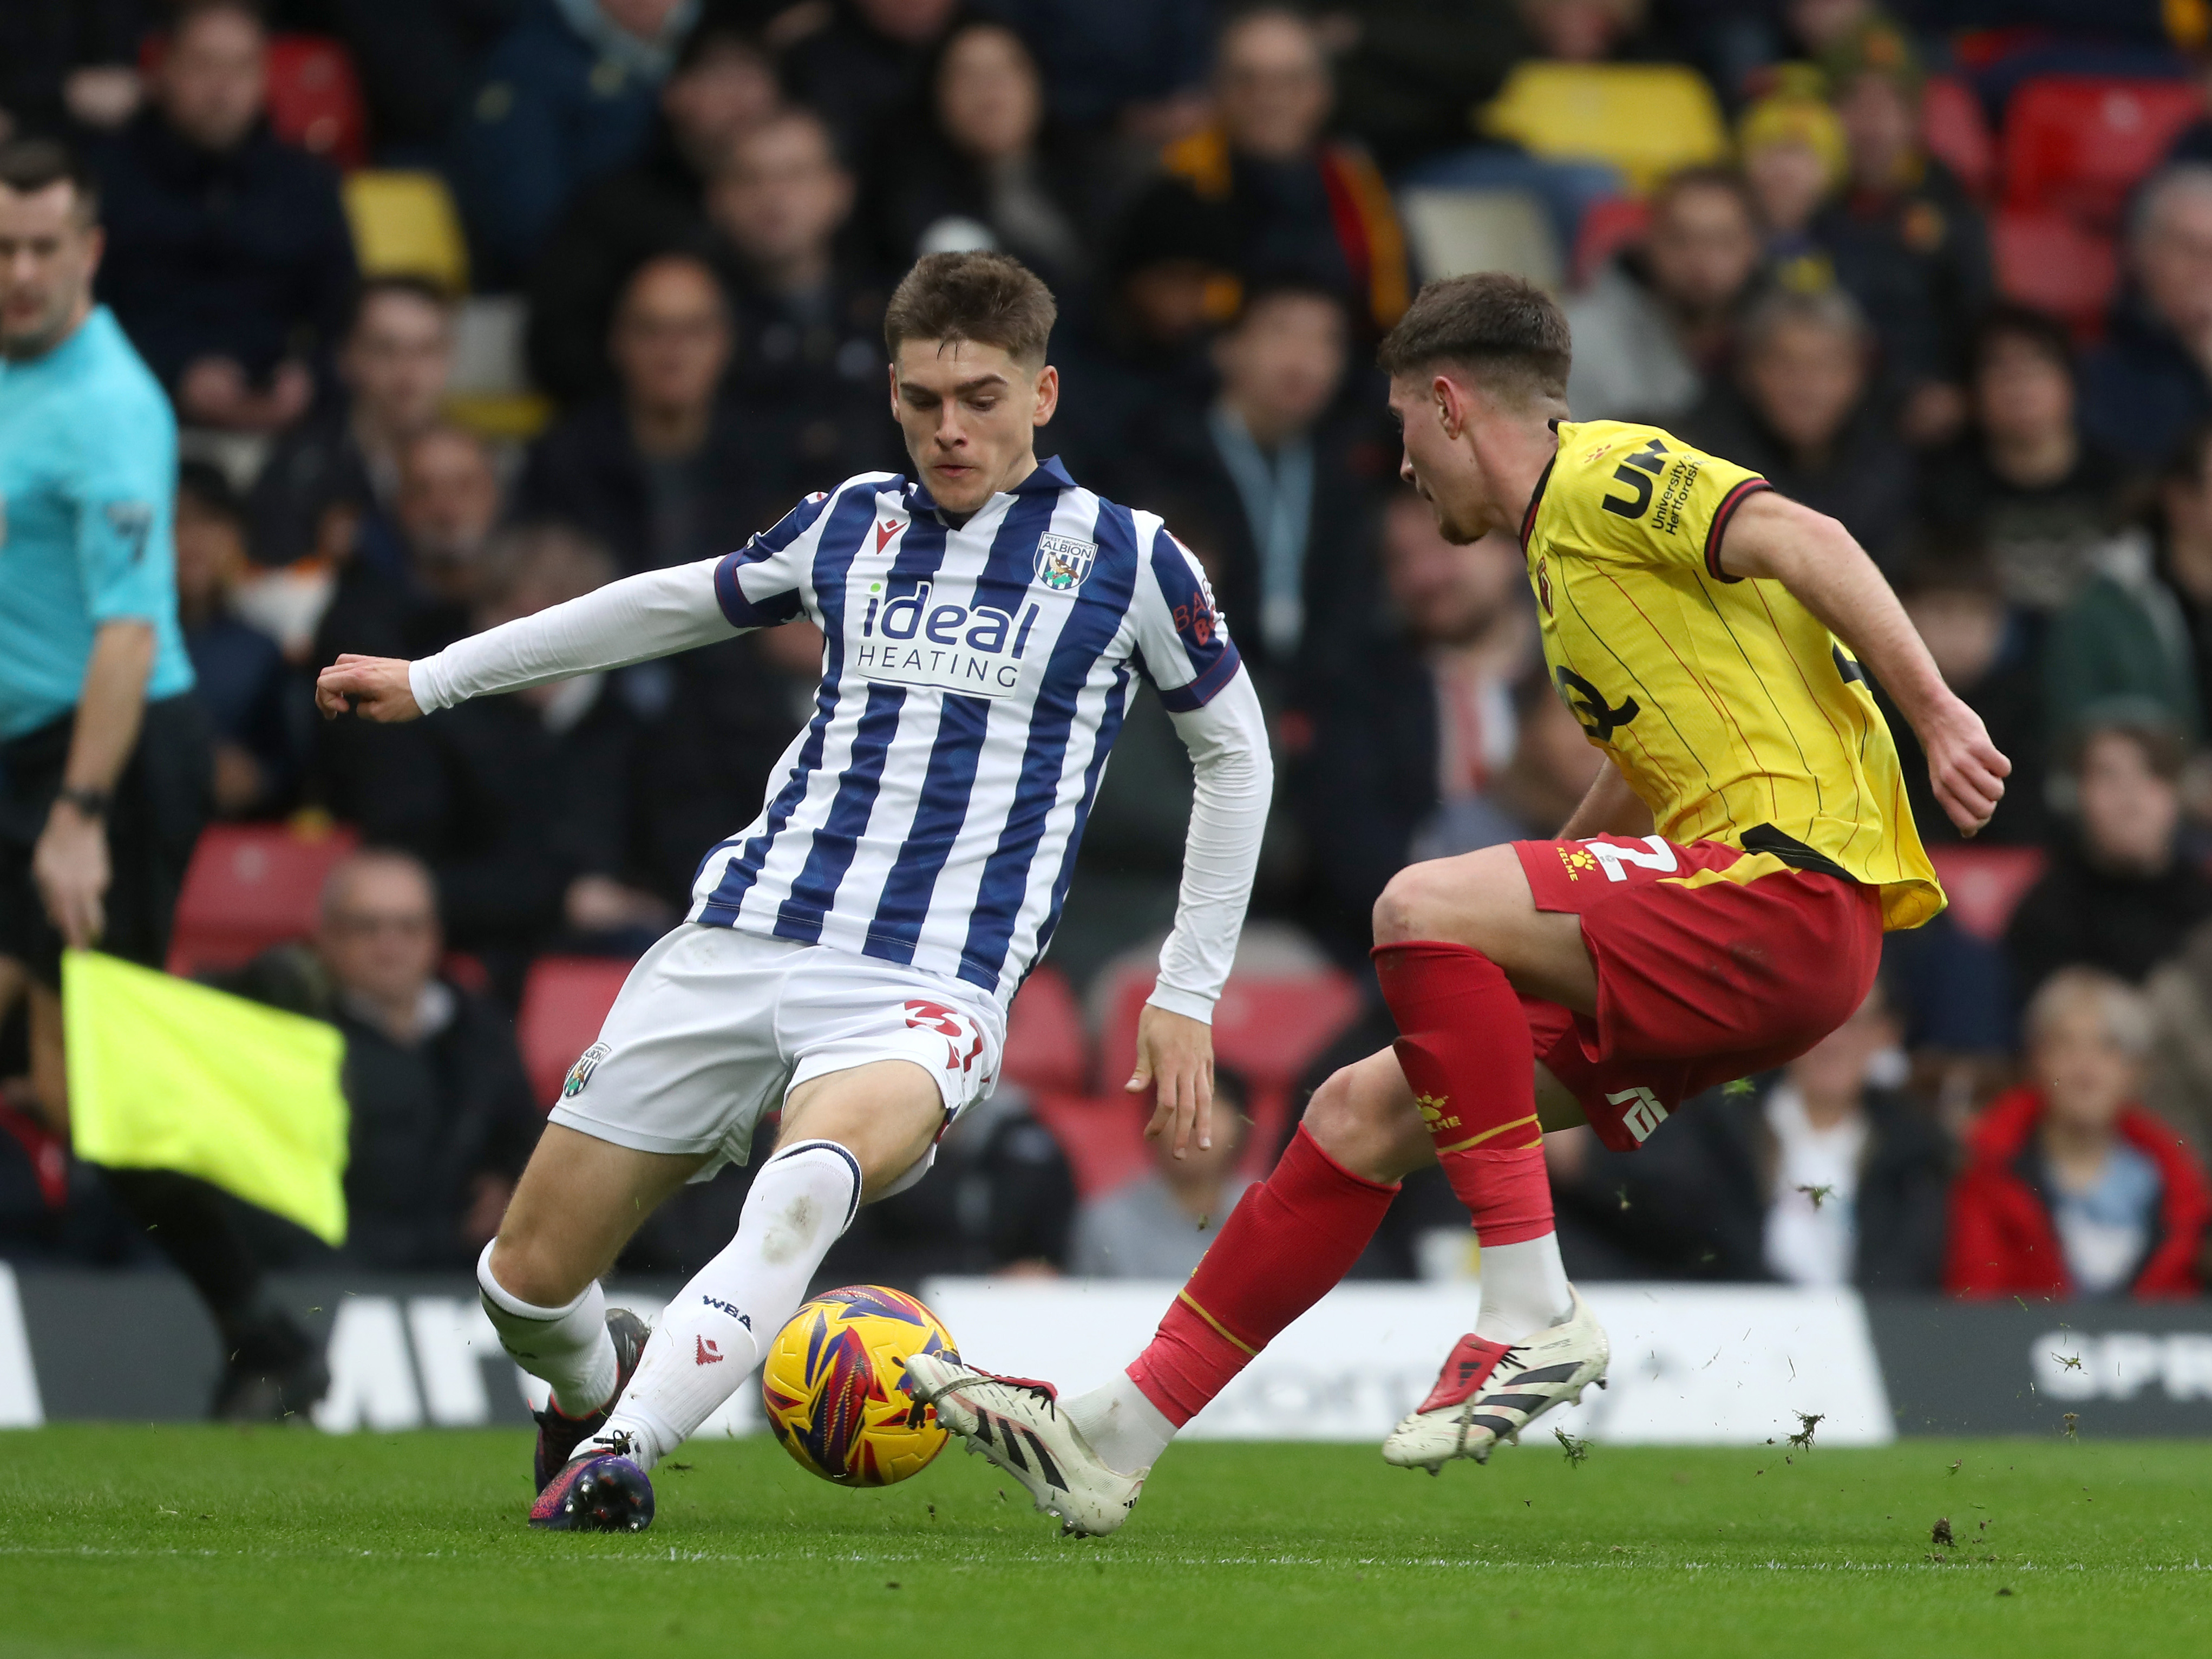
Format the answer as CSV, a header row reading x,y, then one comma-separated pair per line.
x,y
165,1074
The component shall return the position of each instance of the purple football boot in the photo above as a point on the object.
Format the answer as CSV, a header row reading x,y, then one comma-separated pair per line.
x,y
601,1490
558,1434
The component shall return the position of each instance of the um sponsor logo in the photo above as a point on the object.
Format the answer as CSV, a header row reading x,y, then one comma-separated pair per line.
x,y
913,640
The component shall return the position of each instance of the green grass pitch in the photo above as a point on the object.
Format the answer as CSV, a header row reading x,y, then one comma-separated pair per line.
x,y
147,1541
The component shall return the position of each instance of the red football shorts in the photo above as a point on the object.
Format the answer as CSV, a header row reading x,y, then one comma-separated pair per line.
x,y
1712,963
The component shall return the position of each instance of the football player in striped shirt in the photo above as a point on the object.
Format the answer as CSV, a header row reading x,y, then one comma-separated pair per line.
x,y
1715,907
849,956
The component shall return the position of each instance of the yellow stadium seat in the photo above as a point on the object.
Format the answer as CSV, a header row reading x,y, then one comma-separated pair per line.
x,y
1646,119
404,225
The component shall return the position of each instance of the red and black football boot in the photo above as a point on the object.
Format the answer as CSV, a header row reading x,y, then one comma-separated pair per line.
x,y
559,1434
602,1490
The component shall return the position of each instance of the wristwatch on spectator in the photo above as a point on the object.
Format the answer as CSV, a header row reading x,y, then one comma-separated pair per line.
x,y
90,803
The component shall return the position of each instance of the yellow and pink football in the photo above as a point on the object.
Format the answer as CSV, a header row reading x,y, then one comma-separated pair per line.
x,y
834,1386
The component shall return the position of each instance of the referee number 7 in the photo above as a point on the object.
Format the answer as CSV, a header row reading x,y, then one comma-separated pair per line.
x,y
1616,859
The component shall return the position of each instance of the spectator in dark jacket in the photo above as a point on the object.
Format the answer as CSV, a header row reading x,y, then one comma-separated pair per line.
x,y
1819,1177
1395,690
410,580
393,372
1902,206
1139,64
2120,898
2022,485
2072,1189
442,1117
524,807
865,67
2149,384
567,96
808,317
1800,413
256,706
667,469
723,86
1142,349
1293,486
1295,200
990,167
1955,603
229,260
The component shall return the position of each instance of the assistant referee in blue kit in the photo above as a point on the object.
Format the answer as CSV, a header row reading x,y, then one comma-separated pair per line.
x,y
105,754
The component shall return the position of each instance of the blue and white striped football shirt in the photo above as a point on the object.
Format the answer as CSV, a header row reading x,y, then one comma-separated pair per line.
x,y
972,683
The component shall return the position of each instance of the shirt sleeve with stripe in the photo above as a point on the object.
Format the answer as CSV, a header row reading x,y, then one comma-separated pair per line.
x,y
763,583
1183,641
1648,498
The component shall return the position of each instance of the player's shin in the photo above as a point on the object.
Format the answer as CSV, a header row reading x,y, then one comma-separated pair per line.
x,y
712,1334
1285,1243
567,1347
1465,1048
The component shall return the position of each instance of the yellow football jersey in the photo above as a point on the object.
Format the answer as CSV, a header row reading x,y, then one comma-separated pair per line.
x,y
1732,712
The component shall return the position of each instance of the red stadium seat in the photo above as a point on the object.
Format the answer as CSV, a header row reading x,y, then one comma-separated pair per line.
x,y
2046,260
1607,227
2078,144
1986,884
1103,1139
564,1002
1047,1049
315,98
314,95
1269,1028
1952,127
250,886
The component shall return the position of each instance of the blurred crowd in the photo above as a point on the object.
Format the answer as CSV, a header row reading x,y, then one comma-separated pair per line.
x,y
679,221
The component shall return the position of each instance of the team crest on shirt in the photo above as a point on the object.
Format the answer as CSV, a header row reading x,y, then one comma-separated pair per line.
x,y
1062,562
581,1073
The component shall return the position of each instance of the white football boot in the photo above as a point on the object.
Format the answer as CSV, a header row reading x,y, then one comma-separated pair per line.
x,y
1489,1391
1017,1425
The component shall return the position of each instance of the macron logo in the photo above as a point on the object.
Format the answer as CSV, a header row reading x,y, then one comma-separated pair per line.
x,y
720,1306
709,1353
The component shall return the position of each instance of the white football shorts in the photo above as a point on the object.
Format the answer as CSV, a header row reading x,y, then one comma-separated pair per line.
x,y
715,1027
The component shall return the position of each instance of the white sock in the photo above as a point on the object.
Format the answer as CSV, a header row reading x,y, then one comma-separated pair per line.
x,y
567,1347
1123,1427
715,1331
1524,1289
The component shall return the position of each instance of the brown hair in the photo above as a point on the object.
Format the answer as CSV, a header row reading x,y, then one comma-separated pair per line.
x,y
1504,331
992,299
28,166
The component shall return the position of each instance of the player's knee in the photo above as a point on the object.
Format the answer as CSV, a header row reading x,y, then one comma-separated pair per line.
x,y
528,1269
1406,909
1357,1128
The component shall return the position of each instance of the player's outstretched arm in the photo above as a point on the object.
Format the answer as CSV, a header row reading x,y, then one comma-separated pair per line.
x,y
1234,779
651,615
1830,575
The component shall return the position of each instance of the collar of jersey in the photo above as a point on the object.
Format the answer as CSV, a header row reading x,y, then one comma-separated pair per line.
x,y
1049,475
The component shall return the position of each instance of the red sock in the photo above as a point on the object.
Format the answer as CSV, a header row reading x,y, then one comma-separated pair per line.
x,y
1285,1243
1464,1047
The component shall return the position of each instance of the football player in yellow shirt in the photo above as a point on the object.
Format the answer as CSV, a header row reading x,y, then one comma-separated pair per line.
x,y
1715,907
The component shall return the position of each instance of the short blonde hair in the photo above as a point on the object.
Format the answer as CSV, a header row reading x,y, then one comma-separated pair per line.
x,y
2125,1011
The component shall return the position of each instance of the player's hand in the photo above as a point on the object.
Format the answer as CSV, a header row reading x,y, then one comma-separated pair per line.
x,y
374,687
1175,1054
1967,770
69,864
